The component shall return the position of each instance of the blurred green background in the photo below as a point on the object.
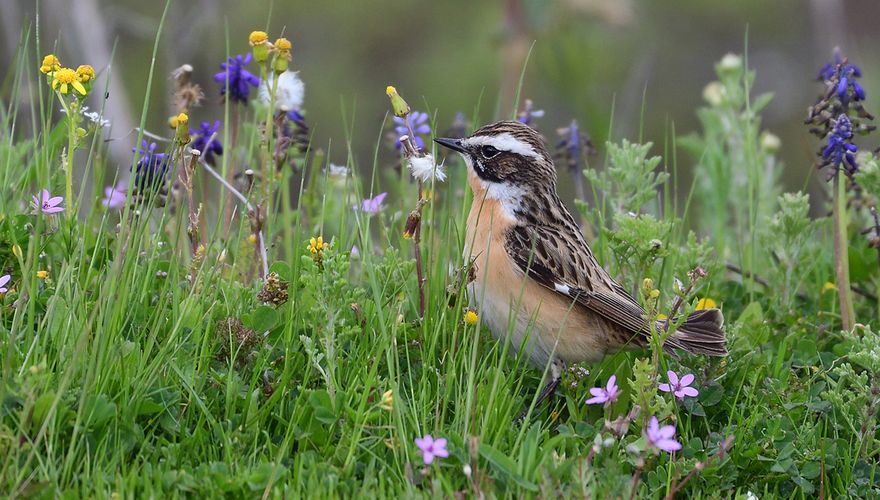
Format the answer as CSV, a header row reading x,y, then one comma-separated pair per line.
x,y
590,58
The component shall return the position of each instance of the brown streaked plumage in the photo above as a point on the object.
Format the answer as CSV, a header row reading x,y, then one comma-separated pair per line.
x,y
536,277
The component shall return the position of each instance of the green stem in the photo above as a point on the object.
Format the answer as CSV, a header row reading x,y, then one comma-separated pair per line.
x,y
841,257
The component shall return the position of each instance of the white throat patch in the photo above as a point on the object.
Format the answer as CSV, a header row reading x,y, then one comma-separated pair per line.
x,y
507,194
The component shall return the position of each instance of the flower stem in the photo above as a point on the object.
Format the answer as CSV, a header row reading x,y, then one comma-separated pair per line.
x,y
420,274
841,257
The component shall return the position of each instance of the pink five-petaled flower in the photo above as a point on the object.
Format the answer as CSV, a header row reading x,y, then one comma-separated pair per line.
x,y
114,197
607,394
680,388
661,438
432,448
47,203
3,281
372,205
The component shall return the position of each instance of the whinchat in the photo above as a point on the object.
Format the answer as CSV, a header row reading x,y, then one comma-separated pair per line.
x,y
535,275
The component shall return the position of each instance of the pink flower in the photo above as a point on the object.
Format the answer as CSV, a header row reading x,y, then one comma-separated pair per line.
x,y
3,281
680,388
372,205
661,438
606,395
114,197
47,203
432,448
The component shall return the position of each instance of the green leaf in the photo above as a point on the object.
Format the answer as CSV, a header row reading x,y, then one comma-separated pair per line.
x,y
263,319
282,269
323,405
505,465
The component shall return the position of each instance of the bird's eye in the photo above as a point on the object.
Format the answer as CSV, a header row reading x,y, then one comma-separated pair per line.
x,y
490,152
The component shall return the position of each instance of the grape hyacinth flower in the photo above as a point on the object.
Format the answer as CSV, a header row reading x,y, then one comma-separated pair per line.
x,y
151,168
529,113
235,80
114,197
46,203
432,448
4,280
680,387
840,151
201,137
418,122
661,438
845,74
605,395
372,206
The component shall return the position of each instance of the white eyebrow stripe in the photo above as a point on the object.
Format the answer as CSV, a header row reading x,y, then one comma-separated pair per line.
x,y
504,142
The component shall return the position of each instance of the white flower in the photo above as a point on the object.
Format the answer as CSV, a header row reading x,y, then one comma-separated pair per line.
x,y
770,142
289,94
731,62
92,116
751,496
337,170
424,169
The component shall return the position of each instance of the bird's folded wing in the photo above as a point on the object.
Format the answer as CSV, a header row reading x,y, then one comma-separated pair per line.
x,y
568,267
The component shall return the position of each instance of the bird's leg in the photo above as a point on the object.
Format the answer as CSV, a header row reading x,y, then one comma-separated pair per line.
x,y
556,370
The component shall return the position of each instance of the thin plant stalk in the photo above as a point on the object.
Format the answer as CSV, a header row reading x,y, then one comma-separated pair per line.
x,y
841,257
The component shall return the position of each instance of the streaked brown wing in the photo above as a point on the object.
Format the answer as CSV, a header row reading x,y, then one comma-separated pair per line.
x,y
568,267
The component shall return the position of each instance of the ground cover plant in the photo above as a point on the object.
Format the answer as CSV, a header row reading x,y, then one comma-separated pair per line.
x,y
242,312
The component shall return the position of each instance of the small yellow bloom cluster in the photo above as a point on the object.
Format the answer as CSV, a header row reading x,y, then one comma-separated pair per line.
x,y
387,403
66,80
259,41
705,303
42,274
471,317
317,245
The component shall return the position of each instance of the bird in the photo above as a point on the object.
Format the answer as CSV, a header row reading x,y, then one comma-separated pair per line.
x,y
534,275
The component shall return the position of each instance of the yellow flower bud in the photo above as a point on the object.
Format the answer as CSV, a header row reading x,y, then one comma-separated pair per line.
x,y
50,64
182,128
647,283
252,239
42,274
387,403
400,107
283,44
282,55
654,293
471,318
259,40
85,73
16,250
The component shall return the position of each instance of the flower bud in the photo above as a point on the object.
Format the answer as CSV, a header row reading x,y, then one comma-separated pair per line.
x,y
259,40
282,55
182,128
400,107
50,64
412,224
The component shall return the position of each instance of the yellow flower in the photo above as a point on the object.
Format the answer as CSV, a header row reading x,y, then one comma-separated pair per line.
x,y
661,317
705,303
387,403
400,107
42,274
829,287
182,121
654,293
50,64
317,245
258,38
283,57
65,78
85,73
471,317
252,239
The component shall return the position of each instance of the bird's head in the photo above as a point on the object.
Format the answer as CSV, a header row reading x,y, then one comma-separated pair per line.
x,y
507,161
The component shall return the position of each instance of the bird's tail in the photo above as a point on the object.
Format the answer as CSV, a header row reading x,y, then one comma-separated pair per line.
x,y
700,333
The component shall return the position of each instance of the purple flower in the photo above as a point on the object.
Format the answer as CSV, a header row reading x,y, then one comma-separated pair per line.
x,y
418,122
114,197
373,205
237,80
47,203
846,74
606,395
680,388
207,132
432,448
661,438
840,151
4,280
529,113
151,168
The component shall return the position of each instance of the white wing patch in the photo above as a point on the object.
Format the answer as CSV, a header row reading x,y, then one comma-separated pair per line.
x,y
504,142
562,288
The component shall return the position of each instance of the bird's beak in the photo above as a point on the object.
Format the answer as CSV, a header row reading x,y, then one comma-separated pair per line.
x,y
453,144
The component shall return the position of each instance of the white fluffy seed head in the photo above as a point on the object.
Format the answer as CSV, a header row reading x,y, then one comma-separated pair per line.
x,y
424,169
290,92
